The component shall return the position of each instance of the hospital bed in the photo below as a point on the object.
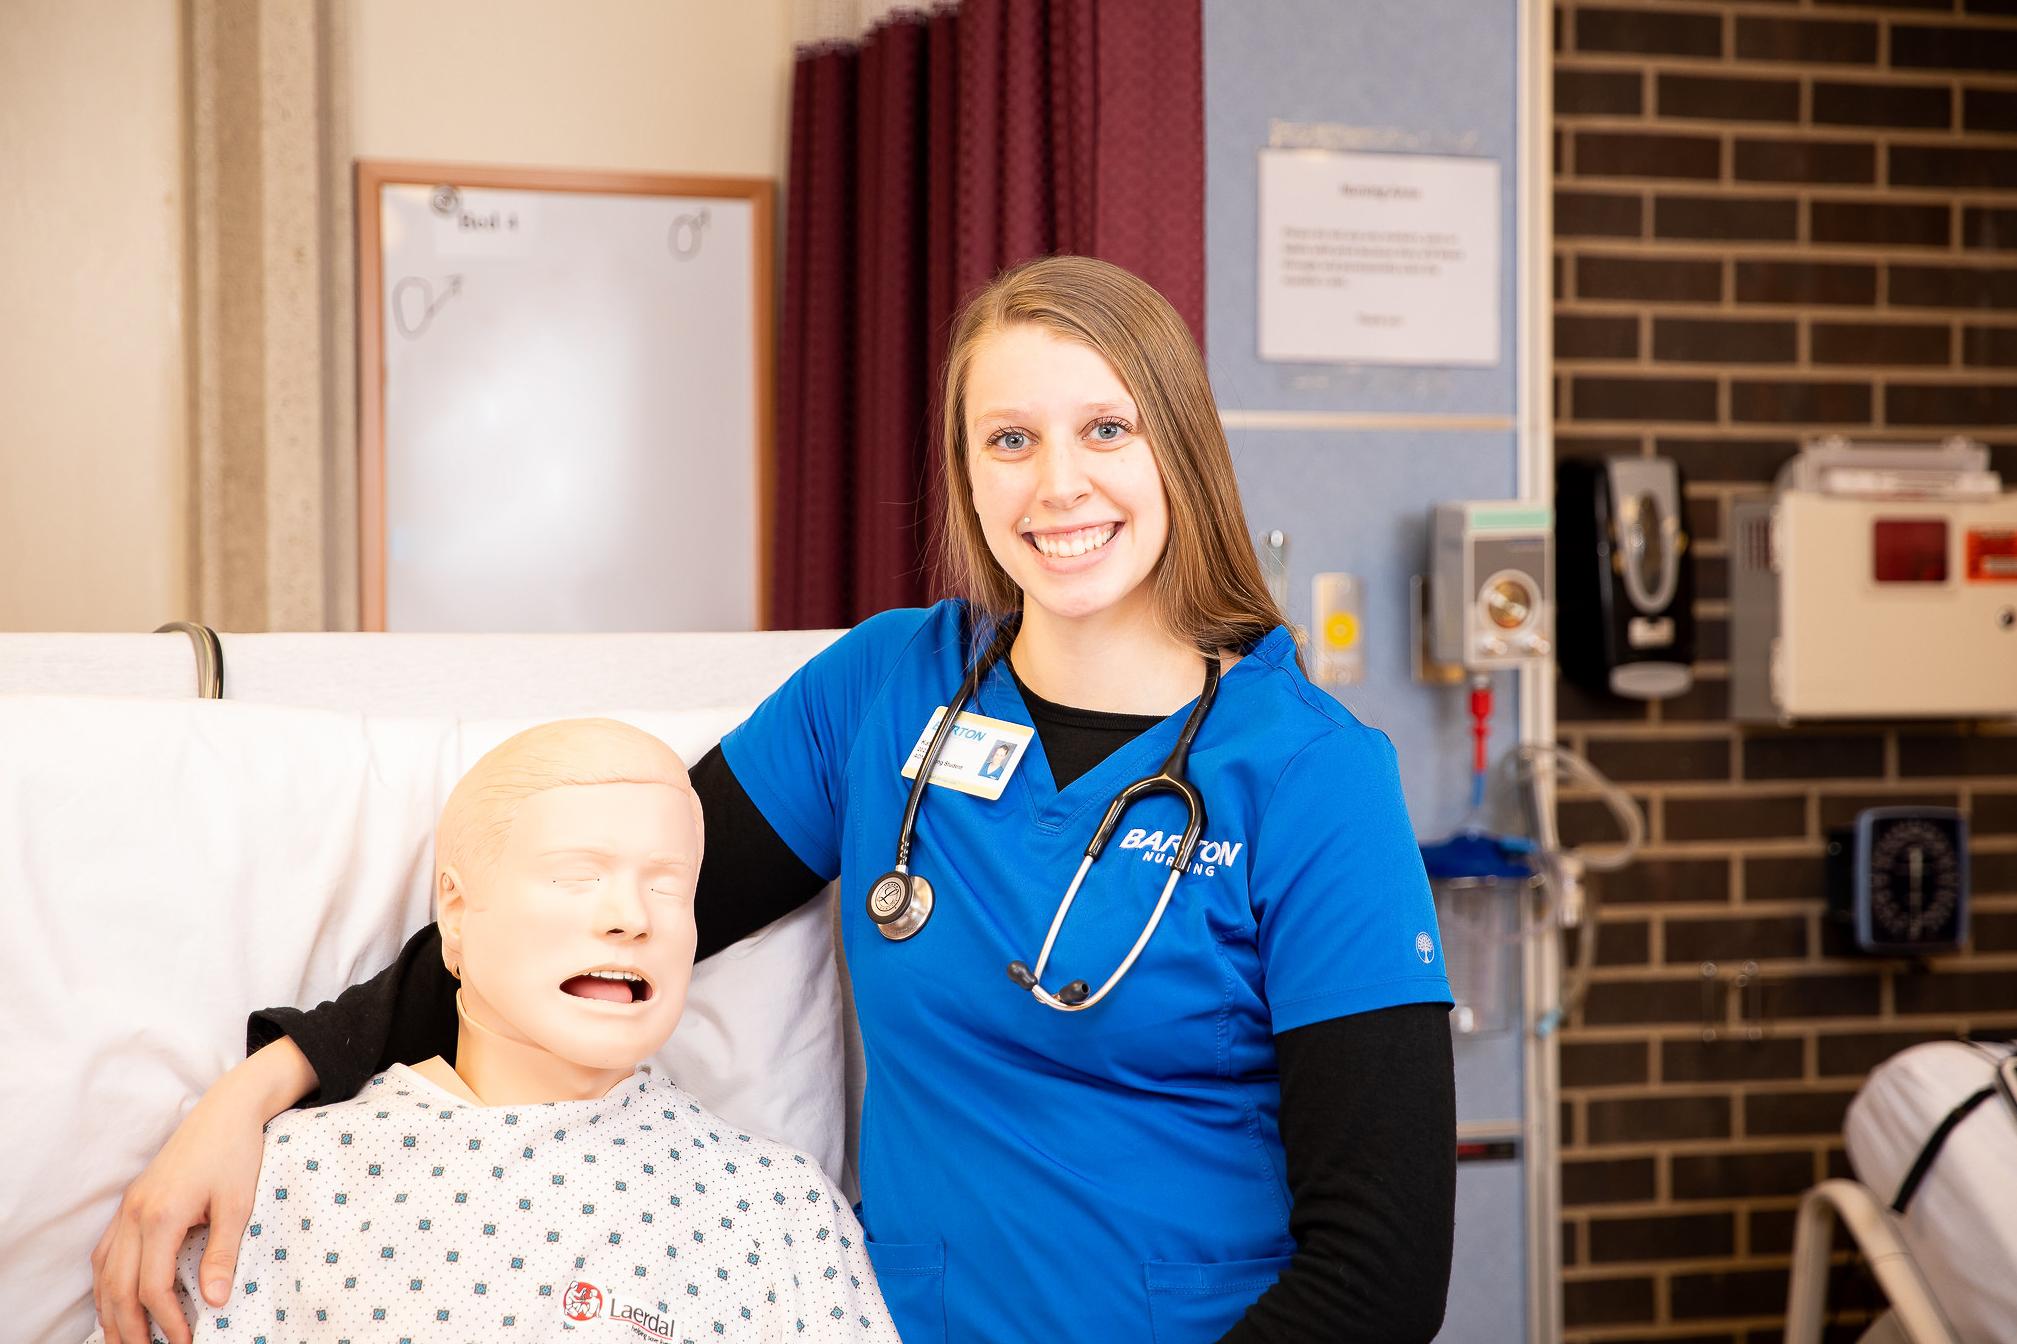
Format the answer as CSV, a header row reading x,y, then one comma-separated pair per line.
x,y
1932,1137
171,858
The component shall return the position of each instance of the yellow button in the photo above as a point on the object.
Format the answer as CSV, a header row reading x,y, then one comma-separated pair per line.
x,y
1341,631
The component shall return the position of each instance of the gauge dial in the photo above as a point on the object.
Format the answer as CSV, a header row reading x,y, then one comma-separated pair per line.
x,y
1916,877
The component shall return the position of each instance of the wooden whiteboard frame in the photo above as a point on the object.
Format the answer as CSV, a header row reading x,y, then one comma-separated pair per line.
x,y
373,174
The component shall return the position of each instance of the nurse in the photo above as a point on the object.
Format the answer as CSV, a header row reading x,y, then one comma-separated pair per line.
x,y
1251,1136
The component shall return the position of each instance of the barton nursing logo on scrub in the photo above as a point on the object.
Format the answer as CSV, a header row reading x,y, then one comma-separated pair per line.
x,y
1162,846
585,1302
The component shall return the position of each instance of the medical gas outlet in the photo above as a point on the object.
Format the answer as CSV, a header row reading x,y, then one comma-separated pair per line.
x,y
1491,585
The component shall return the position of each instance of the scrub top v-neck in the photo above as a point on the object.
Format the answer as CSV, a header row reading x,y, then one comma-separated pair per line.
x,y
1118,1173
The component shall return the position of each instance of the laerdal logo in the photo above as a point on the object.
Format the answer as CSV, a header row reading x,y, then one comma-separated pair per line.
x,y
585,1302
1161,847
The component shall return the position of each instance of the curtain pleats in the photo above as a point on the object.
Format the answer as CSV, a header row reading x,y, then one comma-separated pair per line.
x,y
947,146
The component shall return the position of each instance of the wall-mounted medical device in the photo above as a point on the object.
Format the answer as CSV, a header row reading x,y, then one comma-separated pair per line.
x,y
1875,581
1337,629
1491,585
1899,879
1627,587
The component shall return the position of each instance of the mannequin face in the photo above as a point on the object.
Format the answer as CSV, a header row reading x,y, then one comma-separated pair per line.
x,y
591,878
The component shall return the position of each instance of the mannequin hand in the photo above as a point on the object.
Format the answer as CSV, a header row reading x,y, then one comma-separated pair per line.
x,y
207,1172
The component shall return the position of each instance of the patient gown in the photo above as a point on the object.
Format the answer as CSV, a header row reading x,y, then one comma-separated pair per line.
x,y
407,1213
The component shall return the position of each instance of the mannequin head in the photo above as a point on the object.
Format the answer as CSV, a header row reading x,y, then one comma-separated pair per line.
x,y
565,863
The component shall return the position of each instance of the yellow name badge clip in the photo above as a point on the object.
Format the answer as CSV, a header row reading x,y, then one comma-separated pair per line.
x,y
980,755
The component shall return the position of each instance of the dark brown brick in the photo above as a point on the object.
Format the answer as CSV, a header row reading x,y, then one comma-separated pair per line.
x,y
1805,996
1712,633
1989,230
1607,1180
1855,1053
1989,109
1993,874
1950,404
1950,166
1804,161
1666,882
1710,340
1649,31
1989,347
1781,877
1806,282
1875,344
1712,581
1598,93
1658,1119
1644,154
1993,814
1809,1111
1586,821
1650,278
1572,1242
1909,105
1914,47
1596,447
1707,701
1731,1061
1952,287
1876,222
1783,402
1705,523
1770,1231
1758,817
1619,942
1671,1236
1738,938
1645,398
1579,336
1632,1003
1573,704
1666,758
1824,41
1604,1063
1606,1301
1840,809
1727,1292
1726,217
1740,1175
1771,755
1992,931
1720,99
1956,992
1744,461
1590,214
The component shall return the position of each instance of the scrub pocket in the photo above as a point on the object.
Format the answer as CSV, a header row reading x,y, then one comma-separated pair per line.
x,y
1195,1304
912,1278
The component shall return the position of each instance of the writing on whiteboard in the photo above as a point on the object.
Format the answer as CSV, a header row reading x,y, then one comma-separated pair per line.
x,y
414,303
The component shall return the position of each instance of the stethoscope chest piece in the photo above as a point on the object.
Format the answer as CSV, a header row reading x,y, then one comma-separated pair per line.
x,y
899,903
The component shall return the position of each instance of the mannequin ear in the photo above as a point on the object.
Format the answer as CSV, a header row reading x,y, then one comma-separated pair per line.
x,y
451,905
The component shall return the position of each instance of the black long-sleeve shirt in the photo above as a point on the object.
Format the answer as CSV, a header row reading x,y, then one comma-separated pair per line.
x,y
1368,1115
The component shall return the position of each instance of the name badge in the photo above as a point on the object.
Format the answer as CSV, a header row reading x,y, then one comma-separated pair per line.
x,y
979,757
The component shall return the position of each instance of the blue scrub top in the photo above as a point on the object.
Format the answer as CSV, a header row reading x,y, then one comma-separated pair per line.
x,y
1115,1174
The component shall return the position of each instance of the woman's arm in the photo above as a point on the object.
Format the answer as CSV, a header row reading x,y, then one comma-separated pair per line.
x,y
1369,1123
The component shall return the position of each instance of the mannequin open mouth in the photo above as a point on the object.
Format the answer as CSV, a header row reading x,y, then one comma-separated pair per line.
x,y
608,987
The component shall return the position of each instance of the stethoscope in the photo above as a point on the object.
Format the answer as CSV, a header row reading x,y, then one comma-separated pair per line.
x,y
901,901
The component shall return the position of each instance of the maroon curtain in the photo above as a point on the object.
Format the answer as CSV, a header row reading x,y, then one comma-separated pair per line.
x,y
940,150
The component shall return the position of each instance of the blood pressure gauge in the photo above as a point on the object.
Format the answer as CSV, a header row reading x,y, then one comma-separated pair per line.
x,y
1901,876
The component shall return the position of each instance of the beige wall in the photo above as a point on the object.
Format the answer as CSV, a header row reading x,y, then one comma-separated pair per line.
x,y
94,487
93,433
696,86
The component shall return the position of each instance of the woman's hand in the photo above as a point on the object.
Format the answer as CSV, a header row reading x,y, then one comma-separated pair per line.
x,y
207,1172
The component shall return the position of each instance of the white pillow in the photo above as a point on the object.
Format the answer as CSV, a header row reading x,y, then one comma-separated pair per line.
x,y
165,867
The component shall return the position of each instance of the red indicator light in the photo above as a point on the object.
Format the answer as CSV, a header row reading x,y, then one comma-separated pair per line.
x,y
1992,555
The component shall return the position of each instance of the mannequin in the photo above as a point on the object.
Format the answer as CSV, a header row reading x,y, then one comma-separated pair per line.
x,y
545,1181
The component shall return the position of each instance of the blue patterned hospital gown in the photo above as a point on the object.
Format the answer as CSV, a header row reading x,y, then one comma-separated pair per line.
x,y
407,1213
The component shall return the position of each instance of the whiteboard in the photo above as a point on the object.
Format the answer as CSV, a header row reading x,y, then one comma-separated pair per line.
x,y
572,404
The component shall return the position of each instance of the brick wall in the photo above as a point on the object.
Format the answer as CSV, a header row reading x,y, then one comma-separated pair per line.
x,y
1772,219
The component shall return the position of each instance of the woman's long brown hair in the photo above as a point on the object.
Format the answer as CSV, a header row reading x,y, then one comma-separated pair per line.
x,y
1208,588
